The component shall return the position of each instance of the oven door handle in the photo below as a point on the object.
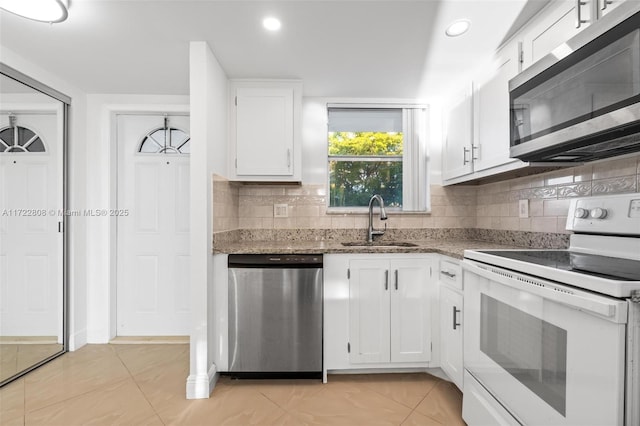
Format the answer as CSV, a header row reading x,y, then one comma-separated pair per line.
x,y
612,309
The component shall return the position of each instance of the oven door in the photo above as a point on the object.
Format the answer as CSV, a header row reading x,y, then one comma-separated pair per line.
x,y
550,354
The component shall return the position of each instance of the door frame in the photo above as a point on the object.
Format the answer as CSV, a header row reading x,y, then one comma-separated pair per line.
x,y
63,120
113,113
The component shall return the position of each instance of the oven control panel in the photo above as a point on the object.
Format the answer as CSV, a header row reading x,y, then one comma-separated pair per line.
x,y
610,214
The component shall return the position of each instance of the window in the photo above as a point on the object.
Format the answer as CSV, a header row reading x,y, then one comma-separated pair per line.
x,y
15,139
377,150
165,140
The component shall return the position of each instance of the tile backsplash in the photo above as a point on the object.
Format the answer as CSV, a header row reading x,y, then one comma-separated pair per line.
x,y
492,206
549,194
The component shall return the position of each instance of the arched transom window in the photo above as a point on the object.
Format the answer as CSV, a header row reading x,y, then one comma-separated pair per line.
x,y
165,140
19,139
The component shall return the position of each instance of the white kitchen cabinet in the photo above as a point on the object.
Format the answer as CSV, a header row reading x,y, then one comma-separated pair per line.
x,y
555,25
605,6
389,306
265,131
477,131
458,143
451,322
368,322
491,112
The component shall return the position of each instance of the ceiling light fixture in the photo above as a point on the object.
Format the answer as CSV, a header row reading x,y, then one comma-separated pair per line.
x,y
271,23
38,10
458,27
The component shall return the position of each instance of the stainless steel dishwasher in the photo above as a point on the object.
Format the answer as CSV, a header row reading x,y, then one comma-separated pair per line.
x,y
275,315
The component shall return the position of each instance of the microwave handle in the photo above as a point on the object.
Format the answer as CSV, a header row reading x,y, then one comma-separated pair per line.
x,y
614,310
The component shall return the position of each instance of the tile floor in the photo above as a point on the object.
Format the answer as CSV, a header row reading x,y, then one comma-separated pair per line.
x,y
15,357
145,385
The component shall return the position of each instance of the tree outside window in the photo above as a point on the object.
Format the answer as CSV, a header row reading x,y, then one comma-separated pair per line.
x,y
364,163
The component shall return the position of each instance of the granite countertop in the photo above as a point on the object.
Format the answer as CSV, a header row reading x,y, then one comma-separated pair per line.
x,y
449,247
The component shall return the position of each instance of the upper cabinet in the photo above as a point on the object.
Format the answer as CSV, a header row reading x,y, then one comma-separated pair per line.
x,y
265,135
605,6
458,143
477,123
491,112
560,21
556,24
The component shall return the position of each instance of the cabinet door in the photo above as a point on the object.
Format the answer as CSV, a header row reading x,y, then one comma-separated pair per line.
x,y
605,6
410,311
369,311
451,334
491,113
264,132
557,24
457,153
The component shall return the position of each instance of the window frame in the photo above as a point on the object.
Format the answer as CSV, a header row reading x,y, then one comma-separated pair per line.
x,y
418,143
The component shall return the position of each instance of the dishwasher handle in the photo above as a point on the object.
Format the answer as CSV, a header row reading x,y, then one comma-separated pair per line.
x,y
279,261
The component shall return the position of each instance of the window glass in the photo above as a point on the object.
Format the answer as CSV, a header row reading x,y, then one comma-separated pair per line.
x,y
20,139
165,141
365,149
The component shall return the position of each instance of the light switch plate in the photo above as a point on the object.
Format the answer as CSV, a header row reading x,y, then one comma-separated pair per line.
x,y
523,208
280,210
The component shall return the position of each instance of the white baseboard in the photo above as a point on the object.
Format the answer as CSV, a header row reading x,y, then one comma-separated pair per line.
x,y
77,340
200,386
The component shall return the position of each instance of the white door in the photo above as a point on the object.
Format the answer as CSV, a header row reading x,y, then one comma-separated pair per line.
x,y
31,246
369,311
410,311
153,225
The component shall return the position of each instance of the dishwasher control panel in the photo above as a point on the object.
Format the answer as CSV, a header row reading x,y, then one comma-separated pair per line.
x,y
275,260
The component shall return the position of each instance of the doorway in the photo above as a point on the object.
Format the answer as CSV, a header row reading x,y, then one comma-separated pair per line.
x,y
153,224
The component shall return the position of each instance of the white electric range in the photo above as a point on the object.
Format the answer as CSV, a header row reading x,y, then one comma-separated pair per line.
x,y
552,337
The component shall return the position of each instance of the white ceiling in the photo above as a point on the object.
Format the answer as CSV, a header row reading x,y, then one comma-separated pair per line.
x,y
355,48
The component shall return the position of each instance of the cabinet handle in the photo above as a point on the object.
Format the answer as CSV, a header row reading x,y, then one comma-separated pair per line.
x,y
396,272
448,274
386,280
579,20
474,149
606,3
455,319
464,155
289,158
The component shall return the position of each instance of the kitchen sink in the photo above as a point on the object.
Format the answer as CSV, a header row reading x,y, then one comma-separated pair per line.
x,y
378,244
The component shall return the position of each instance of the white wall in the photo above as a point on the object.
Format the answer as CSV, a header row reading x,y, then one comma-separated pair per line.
x,y
101,188
208,94
76,189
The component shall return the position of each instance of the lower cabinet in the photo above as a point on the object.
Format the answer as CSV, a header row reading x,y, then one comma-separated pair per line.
x,y
451,321
389,311
379,310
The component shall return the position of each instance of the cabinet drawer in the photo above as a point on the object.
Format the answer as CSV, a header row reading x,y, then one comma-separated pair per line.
x,y
451,273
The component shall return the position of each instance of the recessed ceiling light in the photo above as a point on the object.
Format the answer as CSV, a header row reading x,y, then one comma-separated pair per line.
x,y
458,27
271,23
38,10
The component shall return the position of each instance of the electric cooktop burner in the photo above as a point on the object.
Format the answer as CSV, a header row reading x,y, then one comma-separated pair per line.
x,y
595,265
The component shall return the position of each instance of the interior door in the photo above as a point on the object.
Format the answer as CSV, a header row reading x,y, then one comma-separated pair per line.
x,y
31,246
153,225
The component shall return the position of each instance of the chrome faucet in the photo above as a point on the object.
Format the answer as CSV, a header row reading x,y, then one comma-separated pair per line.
x,y
383,216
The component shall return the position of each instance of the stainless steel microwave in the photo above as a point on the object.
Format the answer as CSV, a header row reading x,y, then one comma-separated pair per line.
x,y
582,101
